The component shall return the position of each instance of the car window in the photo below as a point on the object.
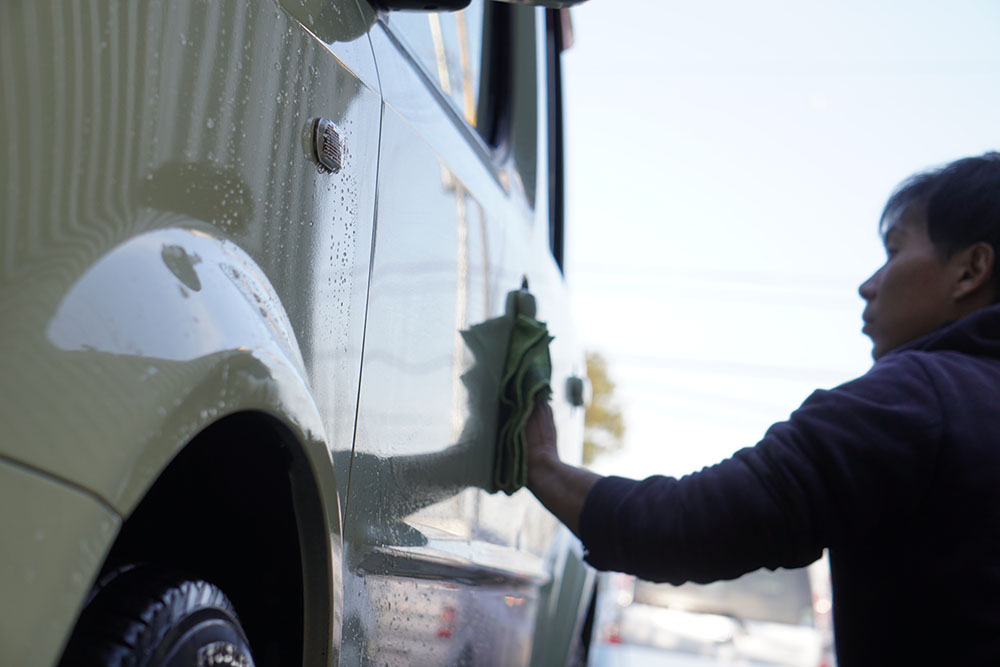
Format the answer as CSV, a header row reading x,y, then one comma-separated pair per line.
x,y
449,46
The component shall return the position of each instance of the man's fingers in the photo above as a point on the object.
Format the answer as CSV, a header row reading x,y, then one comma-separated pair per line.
x,y
541,426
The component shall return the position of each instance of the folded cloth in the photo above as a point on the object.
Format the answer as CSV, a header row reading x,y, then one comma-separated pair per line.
x,y
512,363
527,375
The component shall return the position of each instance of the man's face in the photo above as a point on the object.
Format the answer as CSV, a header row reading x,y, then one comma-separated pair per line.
x,y
911,294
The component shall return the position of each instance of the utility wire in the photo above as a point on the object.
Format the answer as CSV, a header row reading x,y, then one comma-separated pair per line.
x,y
717,274
739,400
703,412
736,368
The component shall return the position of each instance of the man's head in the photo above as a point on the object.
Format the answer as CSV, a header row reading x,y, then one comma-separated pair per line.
x,y
941,229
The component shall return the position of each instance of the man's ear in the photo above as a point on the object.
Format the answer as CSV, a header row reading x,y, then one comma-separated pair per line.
x,y
975,264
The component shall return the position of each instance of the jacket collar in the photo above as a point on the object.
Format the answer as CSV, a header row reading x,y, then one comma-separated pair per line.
x,y
977,334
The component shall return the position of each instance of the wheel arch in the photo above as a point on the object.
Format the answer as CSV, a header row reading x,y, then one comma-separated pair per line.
x,y
193,408
241,506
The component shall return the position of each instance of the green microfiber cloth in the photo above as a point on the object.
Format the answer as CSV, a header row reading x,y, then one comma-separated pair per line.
x,y
512,355
527,375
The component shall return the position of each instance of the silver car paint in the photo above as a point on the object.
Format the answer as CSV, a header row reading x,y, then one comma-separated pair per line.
x,y
172,254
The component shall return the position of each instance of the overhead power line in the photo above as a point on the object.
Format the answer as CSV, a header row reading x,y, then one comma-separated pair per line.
x,y
747,277
735,368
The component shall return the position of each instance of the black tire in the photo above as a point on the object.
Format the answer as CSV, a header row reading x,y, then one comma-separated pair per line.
x,y
145,617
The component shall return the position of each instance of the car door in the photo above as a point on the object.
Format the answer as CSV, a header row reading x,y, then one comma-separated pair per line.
x,y
438,569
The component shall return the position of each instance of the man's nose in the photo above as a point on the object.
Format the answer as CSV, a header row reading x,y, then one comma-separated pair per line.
x,y
869,287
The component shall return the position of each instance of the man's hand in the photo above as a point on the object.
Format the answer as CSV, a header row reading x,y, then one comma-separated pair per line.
x,y
562,488
540,435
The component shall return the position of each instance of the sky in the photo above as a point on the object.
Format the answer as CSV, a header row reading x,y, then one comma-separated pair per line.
x,y
727,163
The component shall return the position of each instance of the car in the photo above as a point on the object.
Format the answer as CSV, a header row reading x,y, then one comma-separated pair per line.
x,y
242,243
765,617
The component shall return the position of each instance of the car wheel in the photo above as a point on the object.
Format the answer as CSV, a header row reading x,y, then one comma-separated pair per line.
x,y
146,617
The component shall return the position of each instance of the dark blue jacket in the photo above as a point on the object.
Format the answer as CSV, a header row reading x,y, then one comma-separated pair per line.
x,y
897,472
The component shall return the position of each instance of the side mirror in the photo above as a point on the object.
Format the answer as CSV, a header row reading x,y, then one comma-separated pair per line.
x,y
553,4
423,5
453,5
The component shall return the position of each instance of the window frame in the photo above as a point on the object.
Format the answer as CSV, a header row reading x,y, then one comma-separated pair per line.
x,y
555,44
494,100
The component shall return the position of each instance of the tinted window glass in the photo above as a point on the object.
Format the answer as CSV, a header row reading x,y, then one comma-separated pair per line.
x,y
449,45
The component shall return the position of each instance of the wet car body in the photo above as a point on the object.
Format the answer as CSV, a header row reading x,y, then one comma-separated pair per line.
x,y
231,353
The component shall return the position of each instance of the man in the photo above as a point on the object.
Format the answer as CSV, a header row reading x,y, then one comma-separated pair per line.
x,y
896,472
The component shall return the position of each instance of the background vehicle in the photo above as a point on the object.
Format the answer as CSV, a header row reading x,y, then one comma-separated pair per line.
x,y
232,348
779,617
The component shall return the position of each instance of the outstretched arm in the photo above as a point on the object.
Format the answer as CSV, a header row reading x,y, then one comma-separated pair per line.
x,y
561,487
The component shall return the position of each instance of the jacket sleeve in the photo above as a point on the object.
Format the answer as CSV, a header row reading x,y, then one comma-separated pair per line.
x,y
848,463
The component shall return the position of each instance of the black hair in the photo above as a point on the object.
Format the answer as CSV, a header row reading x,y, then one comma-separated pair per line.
x,y
961,203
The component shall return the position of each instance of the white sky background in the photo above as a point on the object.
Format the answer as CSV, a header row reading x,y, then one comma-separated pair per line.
x,y
726,166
